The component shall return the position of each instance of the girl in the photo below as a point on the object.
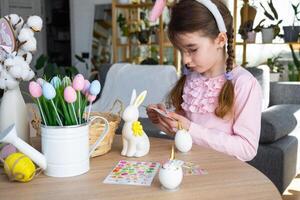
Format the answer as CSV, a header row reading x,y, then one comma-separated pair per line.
x,y
218,103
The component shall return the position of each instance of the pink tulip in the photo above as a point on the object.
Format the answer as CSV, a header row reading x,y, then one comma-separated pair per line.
x,y
40,81
78,82
86,86
91,98
35,89
70,94
157,9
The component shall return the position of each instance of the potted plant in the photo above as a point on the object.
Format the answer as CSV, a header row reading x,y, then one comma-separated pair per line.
x,y
276,68
64,126
251,32
18,44
294,68
144,28
271,31
246,27
291,33
124,28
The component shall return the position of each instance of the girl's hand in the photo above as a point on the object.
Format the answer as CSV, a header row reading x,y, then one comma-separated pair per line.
x,y
152,114
179,122
167,125
161,122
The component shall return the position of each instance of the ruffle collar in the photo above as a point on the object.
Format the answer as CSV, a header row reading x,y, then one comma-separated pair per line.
x,y
200,94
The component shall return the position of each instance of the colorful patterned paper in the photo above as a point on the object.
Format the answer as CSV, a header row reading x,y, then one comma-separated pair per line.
x,y
133,173
190,168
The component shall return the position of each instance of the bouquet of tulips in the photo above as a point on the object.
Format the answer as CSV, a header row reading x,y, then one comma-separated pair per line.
x,y
63,102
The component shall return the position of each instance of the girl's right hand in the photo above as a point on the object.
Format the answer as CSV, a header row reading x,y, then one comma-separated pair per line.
x,y
152,114
161,122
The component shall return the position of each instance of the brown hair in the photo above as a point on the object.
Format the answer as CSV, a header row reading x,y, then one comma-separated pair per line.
x,y
190,16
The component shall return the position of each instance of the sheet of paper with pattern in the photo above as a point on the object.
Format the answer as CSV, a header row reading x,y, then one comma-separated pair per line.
x,y
190,168
133,173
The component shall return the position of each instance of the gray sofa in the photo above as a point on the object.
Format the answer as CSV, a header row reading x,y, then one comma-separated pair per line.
x,y
277,155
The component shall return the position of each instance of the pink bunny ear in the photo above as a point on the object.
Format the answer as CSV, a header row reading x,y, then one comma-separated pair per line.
x,y
7,37
157,9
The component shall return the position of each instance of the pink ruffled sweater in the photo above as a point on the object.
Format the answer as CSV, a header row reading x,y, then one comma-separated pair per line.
x,y
237,135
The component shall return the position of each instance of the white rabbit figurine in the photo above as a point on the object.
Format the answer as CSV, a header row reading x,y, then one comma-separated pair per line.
x,y
135,141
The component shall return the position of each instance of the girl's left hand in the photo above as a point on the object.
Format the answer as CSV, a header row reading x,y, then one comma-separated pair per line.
x,y
179,120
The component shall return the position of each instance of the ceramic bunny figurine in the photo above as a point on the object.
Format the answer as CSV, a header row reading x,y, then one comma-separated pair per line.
x,y
135,141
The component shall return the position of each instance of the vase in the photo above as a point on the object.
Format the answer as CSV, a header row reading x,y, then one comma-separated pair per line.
x,y
66,149
267,35
251,37
13,110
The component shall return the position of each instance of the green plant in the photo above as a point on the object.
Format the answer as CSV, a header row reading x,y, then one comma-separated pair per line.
x,y
123,25
51,69
275,65
294,68
272,16
296,12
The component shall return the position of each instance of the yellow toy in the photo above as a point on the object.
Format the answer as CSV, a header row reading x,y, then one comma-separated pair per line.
x,y
19,167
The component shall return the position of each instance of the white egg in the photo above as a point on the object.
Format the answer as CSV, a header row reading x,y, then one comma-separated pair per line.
x,y
183,141
170,176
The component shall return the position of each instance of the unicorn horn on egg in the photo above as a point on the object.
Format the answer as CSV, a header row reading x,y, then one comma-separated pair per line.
x,y
36,91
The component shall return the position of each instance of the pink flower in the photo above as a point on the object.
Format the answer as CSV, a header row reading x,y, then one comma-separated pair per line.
x,y
91,98
86,86
70,94
78,82
35,89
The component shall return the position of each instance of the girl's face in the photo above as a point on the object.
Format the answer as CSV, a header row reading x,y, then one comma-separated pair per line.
x,y
202,54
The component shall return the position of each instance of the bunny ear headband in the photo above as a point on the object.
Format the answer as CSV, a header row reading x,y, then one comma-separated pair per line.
x,y
160,5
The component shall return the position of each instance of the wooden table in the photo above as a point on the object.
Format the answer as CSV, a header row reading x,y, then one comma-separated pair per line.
x,y
227,178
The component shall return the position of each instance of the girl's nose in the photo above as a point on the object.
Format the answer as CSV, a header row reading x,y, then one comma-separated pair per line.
x,y
186,59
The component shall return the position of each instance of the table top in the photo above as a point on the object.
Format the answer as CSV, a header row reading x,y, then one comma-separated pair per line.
x,y
227,178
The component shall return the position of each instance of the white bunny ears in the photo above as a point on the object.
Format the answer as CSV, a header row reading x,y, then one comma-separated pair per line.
x,y
160,4
139,100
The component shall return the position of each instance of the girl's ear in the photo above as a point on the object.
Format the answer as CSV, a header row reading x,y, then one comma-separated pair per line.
x,y
221,40
133,96
139,100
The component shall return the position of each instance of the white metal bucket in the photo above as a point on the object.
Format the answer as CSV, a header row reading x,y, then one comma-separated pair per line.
x,y
67,148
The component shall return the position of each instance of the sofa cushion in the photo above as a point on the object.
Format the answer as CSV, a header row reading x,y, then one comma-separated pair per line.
x,y
278,121
262,74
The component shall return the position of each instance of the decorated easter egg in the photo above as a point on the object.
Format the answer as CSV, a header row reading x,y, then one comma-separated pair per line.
x,y
20,167
95,88
170,174
35,89
78,82
183,141
55,81
70,94
48,91
7,150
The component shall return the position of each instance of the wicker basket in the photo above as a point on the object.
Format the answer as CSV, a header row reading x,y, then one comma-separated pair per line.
x,y
97,127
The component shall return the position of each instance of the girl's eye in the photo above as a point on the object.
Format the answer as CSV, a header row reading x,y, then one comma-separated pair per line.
x,y
193,50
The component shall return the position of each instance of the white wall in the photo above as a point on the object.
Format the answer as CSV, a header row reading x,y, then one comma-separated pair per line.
x,y
82,21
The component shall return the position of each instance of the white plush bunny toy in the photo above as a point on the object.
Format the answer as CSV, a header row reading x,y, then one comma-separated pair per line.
x,y
135,141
